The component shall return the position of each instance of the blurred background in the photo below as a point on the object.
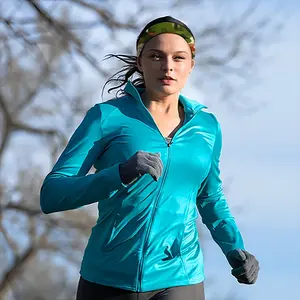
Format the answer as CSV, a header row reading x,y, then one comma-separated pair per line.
x,y
247,73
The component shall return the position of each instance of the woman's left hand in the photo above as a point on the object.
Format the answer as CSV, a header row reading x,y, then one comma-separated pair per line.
x,y
244,265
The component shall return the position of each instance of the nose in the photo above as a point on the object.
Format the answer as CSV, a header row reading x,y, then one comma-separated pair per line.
x,y
167,65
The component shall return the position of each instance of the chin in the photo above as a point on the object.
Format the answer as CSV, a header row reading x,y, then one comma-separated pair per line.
x,y
167,90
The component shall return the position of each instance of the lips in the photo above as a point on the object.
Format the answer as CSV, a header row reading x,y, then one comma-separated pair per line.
x,y
167,78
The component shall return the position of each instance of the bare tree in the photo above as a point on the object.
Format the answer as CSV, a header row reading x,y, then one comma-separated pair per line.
x,y
46,48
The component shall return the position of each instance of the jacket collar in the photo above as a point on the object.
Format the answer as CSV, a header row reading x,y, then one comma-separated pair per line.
x,y
190,106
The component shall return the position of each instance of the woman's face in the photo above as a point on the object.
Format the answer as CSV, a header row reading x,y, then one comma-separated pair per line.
x,y
164,55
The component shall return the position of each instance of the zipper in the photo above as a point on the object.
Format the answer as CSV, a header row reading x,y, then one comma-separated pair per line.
x,y
185,122
149,114
141,264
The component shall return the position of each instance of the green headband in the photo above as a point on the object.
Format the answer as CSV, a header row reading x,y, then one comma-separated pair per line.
x,y
165,27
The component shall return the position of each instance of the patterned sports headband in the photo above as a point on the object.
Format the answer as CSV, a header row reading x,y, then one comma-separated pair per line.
x,y
165,25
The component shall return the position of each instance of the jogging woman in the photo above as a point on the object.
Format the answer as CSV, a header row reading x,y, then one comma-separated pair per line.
x,y
156,155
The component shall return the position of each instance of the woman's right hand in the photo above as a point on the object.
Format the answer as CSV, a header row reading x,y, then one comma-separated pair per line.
x,y
139,164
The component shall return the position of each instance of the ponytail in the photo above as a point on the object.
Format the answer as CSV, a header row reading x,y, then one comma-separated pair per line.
x,y
121,77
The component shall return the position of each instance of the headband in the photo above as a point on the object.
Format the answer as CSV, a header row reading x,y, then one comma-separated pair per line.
x,y
165,25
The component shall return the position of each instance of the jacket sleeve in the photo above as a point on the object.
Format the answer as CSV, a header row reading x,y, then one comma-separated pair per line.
x,y
67,186
213,207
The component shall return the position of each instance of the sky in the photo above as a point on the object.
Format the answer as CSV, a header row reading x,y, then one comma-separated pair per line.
x,y
261,161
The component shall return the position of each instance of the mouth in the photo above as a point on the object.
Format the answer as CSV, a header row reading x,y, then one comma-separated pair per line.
x,y
166,78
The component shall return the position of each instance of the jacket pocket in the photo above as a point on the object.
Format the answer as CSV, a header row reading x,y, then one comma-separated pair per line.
x,y
131,212
173,250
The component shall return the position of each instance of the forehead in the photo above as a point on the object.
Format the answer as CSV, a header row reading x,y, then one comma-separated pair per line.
x,y
167,41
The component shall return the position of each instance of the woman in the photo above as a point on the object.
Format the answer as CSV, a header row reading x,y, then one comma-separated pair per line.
x,y
156,153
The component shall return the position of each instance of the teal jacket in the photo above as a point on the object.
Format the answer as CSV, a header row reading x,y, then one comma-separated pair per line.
x,y
145,237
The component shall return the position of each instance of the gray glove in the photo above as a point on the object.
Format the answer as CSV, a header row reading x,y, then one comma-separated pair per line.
x,y
139,164
244,265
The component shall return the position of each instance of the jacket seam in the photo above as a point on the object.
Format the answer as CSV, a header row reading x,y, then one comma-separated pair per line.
x,y
214,146
181,258
105,119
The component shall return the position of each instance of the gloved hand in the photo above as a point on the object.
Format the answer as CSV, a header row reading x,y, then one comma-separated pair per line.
x,y
139,164
244,265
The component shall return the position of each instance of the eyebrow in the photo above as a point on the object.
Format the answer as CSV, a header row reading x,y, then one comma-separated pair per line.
x,y
180,51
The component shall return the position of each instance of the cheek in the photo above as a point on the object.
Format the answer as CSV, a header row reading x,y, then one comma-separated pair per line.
x,y
150,68
184,70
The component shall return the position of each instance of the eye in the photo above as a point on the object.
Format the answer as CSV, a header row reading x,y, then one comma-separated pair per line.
x,y
155,56
179,57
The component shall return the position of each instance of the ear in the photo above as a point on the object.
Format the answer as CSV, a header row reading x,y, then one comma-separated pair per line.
x,y
193,64
139,64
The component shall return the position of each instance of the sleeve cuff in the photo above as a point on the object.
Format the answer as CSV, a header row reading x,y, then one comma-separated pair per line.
x,y
112,177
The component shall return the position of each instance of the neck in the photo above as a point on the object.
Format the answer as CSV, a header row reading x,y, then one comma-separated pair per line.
x,y
168,106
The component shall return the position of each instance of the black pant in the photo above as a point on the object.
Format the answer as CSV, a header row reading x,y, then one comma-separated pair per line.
x,y
93,291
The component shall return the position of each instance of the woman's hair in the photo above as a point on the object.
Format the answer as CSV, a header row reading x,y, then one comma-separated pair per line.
x,y
121,77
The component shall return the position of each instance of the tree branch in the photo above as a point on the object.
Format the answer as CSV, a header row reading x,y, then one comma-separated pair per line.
x,y
106,17
19,262
67,35
51,221
9,241
21,208
7,126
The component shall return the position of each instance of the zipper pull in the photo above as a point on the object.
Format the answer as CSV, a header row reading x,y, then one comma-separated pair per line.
x,y
169,144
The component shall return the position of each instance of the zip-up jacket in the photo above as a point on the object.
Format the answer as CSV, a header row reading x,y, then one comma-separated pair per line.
x,y
145,237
